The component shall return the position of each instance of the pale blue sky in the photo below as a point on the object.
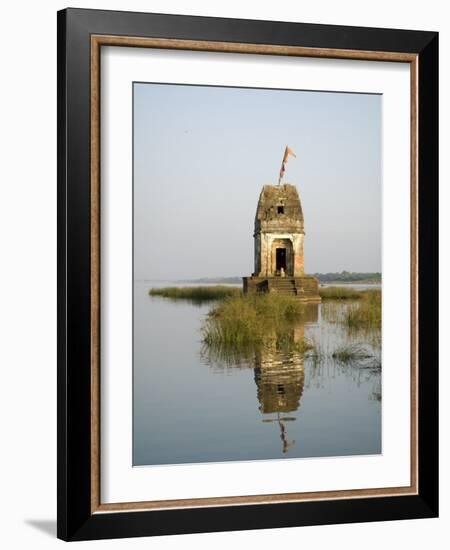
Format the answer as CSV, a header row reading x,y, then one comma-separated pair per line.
x,y
202,155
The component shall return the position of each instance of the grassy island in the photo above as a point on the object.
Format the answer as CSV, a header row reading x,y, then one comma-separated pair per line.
x,y
340,293
198,294
255,320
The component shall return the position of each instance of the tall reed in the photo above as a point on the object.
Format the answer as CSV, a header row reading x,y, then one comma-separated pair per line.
x,y
367,313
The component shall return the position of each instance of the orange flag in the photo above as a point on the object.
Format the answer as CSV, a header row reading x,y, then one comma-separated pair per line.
x,y
287,152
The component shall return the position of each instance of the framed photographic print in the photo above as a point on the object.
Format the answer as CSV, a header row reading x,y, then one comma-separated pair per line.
x,y
247,254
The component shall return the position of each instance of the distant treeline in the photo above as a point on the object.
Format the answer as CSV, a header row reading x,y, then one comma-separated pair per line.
x,y
215,281
348,276
343,276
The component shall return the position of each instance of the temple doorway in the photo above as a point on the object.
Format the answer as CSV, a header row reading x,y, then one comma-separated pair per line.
x,y
280,259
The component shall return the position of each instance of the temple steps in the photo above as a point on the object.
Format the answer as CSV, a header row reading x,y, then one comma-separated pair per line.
x,y
284,286
305,287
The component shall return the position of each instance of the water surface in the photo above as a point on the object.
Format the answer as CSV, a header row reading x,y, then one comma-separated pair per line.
x,y
192,406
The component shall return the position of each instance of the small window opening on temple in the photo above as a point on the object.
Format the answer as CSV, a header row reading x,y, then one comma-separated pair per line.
x,y
280,209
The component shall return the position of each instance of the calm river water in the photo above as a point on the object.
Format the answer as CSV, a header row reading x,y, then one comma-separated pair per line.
x,y
190,406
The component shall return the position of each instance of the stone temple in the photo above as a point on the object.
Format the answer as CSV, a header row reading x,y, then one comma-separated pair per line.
x,y
279,236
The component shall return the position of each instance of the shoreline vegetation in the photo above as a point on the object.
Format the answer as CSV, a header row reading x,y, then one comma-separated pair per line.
x,y
340,293
240,324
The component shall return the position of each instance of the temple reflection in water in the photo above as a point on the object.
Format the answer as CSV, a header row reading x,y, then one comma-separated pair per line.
x,y
280,375
280,378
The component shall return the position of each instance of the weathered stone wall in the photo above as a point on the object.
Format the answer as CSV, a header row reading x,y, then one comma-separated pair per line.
x,y
279,210
265,255
279,219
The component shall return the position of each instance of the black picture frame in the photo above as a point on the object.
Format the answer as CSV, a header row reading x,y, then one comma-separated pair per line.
x,y
75,518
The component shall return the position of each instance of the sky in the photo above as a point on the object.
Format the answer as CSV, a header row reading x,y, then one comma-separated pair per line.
x,y
202,155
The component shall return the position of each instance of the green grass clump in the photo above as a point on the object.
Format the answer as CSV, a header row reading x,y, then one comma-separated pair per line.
x,y
367,313
197,294
351,352
252,321
340,293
